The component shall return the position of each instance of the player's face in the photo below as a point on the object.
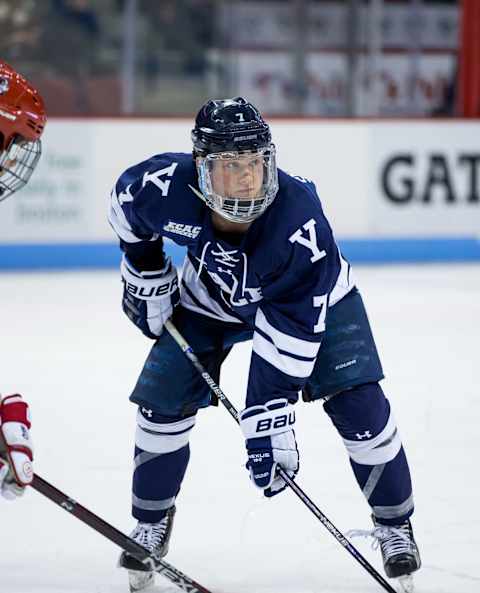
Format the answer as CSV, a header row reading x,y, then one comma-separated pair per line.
x,y
239,186
239,177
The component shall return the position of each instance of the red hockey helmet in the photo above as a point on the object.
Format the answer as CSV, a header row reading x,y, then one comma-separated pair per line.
x,y
22,119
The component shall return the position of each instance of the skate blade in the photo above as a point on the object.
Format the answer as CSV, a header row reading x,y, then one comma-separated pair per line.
x,y
406,584
139,581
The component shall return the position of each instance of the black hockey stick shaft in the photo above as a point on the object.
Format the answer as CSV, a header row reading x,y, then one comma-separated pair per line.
x,y
174,575
111,533
338,535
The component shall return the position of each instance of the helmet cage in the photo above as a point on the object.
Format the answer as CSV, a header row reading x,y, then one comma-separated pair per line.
x,y
17,163
239,209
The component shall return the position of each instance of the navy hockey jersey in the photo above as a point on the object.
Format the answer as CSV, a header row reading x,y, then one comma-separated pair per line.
x,y
278,278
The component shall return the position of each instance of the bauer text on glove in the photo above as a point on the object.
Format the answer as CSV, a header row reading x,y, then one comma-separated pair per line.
x,y
270,441
149,297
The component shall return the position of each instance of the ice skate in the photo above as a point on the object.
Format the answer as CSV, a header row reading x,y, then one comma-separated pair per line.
x,y
399,550
154,537
400,553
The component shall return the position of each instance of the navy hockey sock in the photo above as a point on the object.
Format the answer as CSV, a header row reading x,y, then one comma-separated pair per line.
x,y
162,453
387,488
364,420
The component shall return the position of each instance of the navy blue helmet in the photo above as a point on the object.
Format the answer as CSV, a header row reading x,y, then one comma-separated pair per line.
x,y
225,125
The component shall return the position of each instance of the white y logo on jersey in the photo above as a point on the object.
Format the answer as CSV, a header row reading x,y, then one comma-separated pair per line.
x,y
311,242
163,185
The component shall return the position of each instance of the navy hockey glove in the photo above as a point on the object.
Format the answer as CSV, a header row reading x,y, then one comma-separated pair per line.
x,y
270,441
149,297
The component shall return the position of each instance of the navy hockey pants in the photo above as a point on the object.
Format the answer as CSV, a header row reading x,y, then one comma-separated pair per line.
x,y
170,385
169,391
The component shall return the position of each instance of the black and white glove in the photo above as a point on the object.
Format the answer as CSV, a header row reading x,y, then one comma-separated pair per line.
x,y
270,441
149,297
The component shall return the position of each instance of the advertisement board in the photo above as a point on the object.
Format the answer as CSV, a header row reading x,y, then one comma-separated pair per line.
x,y
393,191
425,181
57,203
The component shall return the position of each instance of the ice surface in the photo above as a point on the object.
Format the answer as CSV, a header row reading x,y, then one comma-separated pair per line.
x,y
67,347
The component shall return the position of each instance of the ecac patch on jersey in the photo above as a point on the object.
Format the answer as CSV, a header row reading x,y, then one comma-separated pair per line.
x,y
186,230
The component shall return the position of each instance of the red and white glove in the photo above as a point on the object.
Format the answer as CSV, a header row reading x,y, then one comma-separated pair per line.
x,y
16,449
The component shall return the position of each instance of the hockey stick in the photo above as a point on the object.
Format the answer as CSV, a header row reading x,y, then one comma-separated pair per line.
x,y
117,537
338,535
114,535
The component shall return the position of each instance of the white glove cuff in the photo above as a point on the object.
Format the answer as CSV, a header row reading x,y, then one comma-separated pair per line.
x,y
267,422
158,284
16,436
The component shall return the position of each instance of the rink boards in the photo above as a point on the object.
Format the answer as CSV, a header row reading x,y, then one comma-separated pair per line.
x,y
393,190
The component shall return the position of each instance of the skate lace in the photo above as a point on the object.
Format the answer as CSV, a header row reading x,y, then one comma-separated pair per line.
x,y
393,540
151,535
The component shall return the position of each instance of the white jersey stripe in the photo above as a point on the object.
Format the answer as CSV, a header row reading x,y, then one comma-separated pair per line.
x,y
119,221
344,284
285,342
288,365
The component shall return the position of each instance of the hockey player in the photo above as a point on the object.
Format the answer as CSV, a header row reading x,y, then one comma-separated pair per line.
x,y
22,119
261,264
